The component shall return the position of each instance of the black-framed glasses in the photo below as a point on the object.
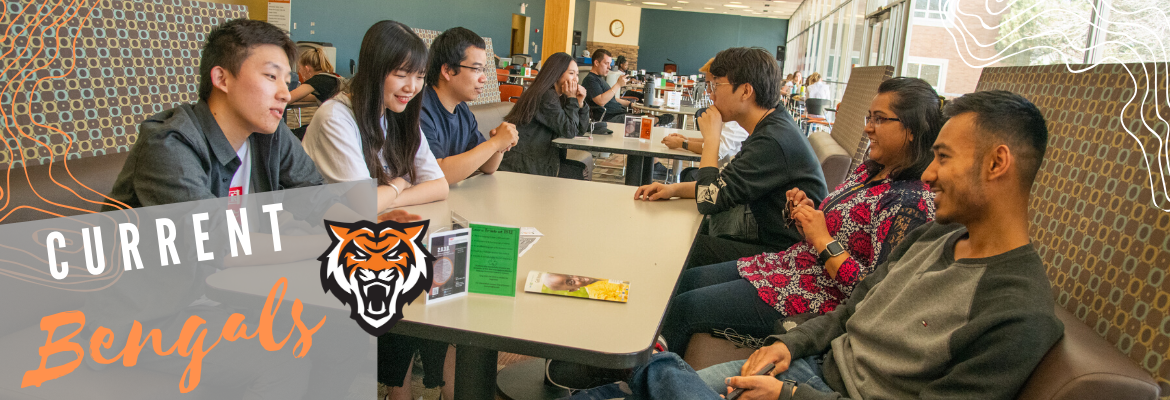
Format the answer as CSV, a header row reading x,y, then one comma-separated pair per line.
x,y
482,70
878,121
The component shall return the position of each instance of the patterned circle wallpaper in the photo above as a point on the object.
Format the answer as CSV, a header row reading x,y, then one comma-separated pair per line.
x,y
79,77
1098,204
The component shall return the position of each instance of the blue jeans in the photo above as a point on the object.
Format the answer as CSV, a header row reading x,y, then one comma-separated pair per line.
x,y
715,297
667,376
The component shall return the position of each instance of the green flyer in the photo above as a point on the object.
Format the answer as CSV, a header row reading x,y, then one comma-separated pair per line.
x,y
493,259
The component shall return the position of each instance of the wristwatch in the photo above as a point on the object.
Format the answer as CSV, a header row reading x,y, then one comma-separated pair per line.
x,y
684,146
831,250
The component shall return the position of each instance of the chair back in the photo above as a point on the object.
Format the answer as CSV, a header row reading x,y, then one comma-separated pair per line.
x,y
501,75
670,68
511,92
815,106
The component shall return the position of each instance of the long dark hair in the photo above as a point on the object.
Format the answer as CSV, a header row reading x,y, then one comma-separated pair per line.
x,y
387,47
545,82
918,109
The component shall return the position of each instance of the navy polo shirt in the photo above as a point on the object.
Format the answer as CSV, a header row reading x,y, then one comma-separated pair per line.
x,y
448,134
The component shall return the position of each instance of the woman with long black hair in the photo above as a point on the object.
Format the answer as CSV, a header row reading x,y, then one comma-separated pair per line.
x,y
371,130
552,107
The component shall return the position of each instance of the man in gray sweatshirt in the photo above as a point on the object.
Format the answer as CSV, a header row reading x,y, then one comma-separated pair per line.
x,y
961,309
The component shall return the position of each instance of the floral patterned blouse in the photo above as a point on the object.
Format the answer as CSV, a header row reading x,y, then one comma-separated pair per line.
x,y
867,219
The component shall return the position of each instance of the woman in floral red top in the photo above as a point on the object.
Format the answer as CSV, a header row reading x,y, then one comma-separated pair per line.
x,y
844,239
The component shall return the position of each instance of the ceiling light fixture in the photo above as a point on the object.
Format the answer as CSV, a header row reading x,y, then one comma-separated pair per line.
x,y
735,6
683,2
708,8
653,3
676,7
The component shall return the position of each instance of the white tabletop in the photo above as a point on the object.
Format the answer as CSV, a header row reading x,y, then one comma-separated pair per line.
x,y
590,228
618,143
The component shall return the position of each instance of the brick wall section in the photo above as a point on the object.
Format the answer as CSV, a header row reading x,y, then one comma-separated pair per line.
x,y
935,42
631,52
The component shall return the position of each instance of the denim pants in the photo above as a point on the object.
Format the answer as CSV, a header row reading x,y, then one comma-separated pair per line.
x,y
715,297
668,377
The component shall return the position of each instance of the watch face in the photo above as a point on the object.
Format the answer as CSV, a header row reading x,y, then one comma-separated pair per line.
x,y
835,248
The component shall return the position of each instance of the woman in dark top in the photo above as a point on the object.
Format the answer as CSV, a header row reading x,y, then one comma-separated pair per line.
x,y
318,81
554,106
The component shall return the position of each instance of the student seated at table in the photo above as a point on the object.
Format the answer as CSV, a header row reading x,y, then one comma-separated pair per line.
x,y
962,308
553,107
231,142
745,201
730,138
318,81
600,94
621,65
456,73
371,130
852,231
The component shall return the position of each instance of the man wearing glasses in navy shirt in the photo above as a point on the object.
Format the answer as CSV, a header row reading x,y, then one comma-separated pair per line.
x,y
456,74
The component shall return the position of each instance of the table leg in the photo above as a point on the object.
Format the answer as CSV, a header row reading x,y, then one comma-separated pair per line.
x,y
475,373
638,170
677,171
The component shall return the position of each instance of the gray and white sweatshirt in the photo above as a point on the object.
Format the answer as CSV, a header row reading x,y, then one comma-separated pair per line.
x,y
924,325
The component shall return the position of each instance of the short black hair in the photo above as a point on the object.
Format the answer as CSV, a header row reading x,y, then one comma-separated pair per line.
x,y
917,107
229,44
449,49
752,66
597,54
1010,119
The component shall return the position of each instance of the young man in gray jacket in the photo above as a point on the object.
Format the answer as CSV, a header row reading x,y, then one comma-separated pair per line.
x,y
962,308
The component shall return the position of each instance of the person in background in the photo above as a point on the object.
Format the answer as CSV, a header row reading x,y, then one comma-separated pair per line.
x,y
456,73
745,201
851,233
623,69
371,130
601,94
730,138
962,308
788,84
818,89
318,81
552,107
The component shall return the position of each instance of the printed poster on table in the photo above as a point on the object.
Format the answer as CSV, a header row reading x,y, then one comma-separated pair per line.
x,y
494,253
451,250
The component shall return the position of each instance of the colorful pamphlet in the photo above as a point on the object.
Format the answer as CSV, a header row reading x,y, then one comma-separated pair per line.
x,y
577,286
494,253
452,255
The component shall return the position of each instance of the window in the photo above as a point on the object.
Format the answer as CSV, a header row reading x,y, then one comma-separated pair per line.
x,y
931,9
931,70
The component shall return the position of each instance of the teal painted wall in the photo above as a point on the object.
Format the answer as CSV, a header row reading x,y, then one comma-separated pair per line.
x,y
581,23
690,38
344,23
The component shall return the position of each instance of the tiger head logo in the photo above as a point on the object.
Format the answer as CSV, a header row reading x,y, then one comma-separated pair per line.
x,y
376,268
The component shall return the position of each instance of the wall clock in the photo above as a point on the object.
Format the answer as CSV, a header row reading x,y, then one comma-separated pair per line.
x,y
617,28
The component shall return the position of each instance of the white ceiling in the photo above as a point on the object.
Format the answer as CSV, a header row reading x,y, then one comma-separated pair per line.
x,y
781,9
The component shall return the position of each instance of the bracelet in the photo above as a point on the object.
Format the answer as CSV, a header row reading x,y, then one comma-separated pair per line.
x,y
397,191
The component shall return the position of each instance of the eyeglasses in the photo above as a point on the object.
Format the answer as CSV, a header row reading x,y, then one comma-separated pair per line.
x,y
877,121
713,86
482,70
